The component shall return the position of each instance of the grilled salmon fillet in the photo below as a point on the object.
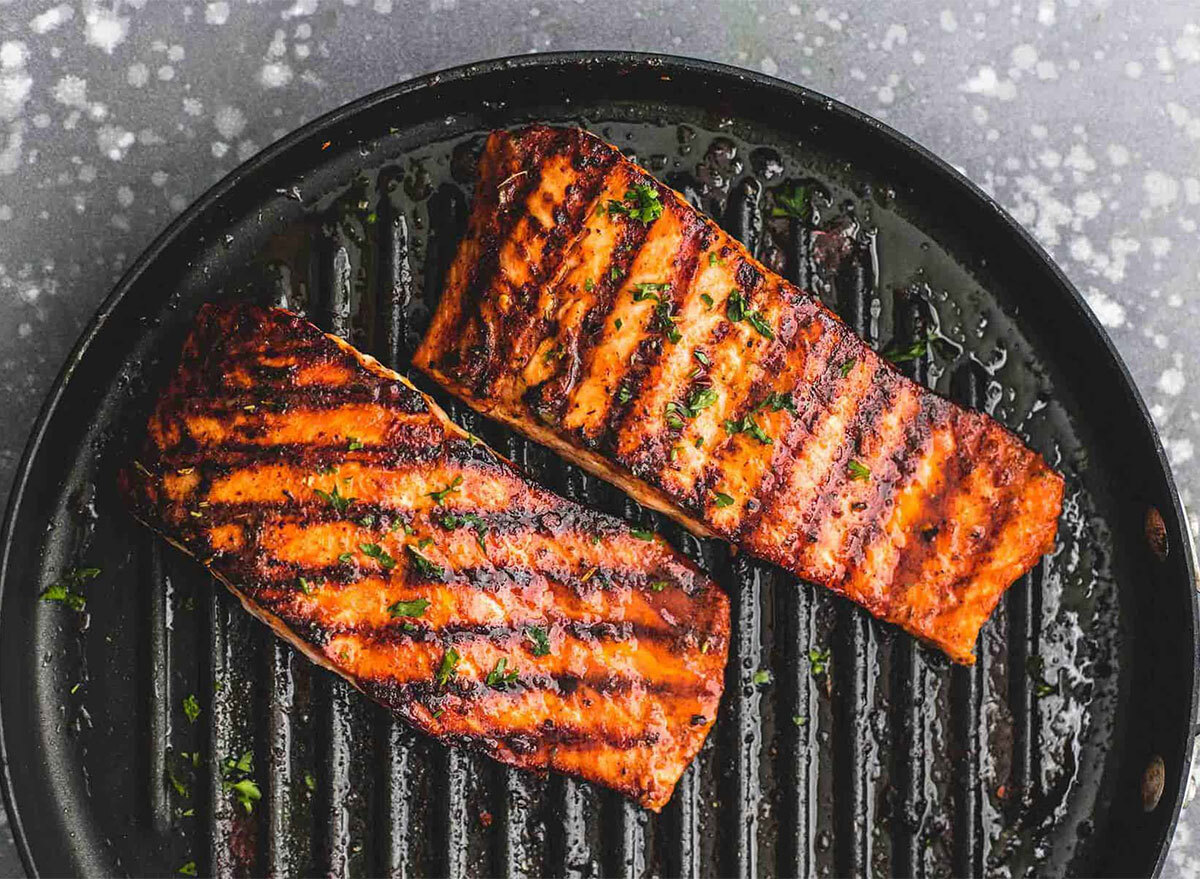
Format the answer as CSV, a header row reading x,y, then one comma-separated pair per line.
x,y
348,512
593,309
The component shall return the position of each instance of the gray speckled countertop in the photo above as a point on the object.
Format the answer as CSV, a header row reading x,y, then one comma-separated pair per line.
x,y
1082,117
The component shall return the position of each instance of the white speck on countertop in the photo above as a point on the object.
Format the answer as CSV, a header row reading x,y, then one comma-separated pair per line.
x,y
104,28
216,13
52,18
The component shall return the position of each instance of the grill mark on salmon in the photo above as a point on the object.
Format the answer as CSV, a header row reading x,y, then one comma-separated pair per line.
x,y
355,499
560,397
791,502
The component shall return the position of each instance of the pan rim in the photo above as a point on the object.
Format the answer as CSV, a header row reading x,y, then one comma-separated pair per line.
x,y
667,63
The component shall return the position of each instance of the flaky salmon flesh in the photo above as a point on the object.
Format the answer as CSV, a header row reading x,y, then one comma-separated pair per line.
x,y
348,512
594,310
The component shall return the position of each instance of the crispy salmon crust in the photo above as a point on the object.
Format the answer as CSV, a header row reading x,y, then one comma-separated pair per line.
x,y
346,510
593,309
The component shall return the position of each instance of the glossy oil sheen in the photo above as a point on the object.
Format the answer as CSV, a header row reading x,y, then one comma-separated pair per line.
x,y
890,762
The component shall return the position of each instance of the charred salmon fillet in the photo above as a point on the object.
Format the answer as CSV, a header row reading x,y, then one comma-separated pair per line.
x,y
390,546
594,310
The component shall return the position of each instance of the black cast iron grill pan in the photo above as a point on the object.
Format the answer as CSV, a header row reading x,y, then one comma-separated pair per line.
x,y
842,748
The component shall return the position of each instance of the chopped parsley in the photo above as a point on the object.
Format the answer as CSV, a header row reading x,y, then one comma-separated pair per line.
x,y
179,785
377,552
334,498
308,587
424,566
791,203
721,499
904,353
1035,667
658,585
618,323
188,869
498,678
777,401
747,424
858,471
701,357
845,368
700,398
346,557
642,534
589,285
819,660
309,781
762,676
238,781
736,310
624,395
353,443
367,521
448,668
439,497
191,707
641,202
663,309
414,608
450,521
707,300
65,591
799,720
540,640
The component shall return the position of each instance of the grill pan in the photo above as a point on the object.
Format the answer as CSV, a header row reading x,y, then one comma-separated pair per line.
x,y
1063,751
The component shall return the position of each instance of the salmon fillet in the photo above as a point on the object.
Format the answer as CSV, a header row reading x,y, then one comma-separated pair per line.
x,y
348,512
594,310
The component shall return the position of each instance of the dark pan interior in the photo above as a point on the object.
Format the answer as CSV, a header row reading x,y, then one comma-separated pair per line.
x,y
891,761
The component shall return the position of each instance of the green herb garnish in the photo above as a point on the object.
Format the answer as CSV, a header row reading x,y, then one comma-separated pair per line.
x,y
237,780
450,521
721,499
791,204
589,285
762,676
377,552
309,781
707,300
448,667
424,566
353,443
191,707
439,497
66,591
858,471
540,639
498,678
334,498
819,660
736,310
624,395
845,368
658,585
641,203
188,869
747,424
414,608
642,534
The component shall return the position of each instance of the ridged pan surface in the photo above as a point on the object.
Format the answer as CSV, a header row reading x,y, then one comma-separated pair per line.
x,y
842,746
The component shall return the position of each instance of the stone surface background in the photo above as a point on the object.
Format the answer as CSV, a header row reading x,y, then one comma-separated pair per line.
x,y
1082,117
